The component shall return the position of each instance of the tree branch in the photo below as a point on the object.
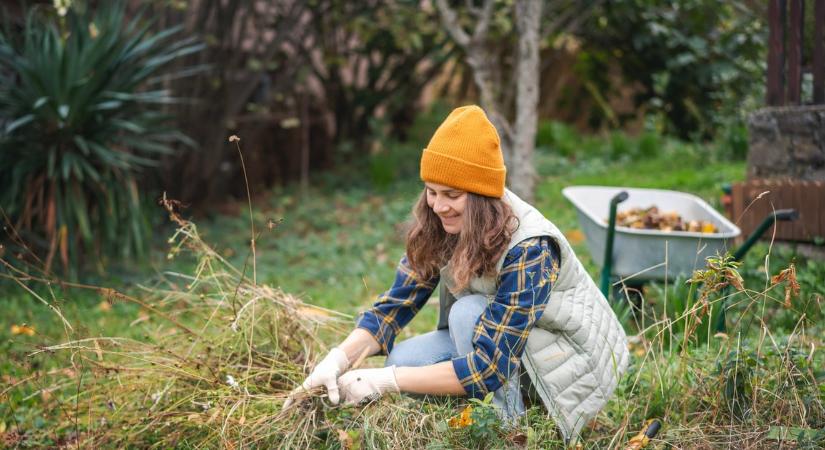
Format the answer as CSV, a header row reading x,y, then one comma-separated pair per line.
x,y
483,24
450,20
571,25
474,10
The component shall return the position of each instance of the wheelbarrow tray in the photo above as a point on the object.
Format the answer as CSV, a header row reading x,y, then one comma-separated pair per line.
x,y
640,254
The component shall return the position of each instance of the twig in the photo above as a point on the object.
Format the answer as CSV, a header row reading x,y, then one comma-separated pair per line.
x,y
236,139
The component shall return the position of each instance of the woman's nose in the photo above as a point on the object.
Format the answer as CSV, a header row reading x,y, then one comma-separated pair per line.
x,y
440,206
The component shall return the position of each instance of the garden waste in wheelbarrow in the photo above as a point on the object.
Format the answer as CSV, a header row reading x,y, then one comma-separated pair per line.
x,y
643,254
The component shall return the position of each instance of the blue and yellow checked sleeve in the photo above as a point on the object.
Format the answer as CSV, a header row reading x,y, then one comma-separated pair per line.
x,y
524,283
396,307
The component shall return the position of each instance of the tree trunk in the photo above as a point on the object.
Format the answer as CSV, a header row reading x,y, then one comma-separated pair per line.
x,y
523,173
517,142
486,80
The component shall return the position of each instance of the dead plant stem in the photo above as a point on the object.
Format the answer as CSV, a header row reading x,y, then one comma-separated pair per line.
x,y
251,218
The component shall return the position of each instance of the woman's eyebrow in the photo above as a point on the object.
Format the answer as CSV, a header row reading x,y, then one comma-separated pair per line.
x,y
445,191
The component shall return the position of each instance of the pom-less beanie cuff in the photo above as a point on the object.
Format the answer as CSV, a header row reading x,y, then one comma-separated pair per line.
x,y
444,169
465,153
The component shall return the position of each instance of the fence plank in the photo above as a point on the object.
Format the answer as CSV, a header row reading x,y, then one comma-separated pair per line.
x,y
776,53
807,197
808,210
819,186
819,52
800,228
795,28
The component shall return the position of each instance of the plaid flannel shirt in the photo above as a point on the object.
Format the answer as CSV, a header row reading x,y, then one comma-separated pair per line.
x,y
530,268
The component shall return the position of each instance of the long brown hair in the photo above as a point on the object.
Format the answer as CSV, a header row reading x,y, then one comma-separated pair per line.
x,y
488,225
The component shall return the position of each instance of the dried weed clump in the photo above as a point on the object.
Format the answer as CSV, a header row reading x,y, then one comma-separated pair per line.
x,y
213,372
218,357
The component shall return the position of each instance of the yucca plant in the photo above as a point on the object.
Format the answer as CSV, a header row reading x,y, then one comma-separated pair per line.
x,y
81,118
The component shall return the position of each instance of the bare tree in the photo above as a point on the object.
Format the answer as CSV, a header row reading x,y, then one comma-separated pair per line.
x,y
515,119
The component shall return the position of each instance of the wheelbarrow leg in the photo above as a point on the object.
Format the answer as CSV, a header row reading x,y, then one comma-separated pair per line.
x,y
607,265
778,215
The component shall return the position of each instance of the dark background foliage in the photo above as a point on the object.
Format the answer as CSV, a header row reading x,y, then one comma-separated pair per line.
x,y
695,61
319,85
82,108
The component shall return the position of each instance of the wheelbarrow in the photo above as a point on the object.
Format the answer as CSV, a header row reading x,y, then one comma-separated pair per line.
x,y
639,255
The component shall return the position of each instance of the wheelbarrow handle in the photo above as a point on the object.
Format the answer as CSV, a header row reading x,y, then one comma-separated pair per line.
x,y
778,215
607,265
786,214
618,198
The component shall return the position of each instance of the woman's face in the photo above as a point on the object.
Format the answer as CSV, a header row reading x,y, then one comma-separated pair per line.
x,y
448,203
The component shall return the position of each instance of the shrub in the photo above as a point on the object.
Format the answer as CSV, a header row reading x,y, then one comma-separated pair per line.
x,y
697,61
80,115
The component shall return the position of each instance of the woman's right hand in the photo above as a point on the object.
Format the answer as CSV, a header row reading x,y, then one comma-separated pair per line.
x,y
326,374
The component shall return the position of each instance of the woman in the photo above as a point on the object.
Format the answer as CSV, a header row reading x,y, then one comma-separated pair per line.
x,y
513,295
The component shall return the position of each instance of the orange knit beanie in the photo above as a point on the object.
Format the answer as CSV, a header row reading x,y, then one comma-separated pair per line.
x,y
465,153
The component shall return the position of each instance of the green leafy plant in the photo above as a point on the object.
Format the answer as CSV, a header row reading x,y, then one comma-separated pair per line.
x,y
81,114
485,422
698,61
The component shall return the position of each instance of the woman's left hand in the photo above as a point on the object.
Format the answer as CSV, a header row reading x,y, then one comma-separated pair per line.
x,y
357,386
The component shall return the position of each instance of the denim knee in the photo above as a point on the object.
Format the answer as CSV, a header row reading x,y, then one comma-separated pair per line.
x,y
422,350
401,359
462,320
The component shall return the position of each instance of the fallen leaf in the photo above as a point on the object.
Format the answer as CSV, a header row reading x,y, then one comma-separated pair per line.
x,y
575,236
22,329
463,419
344,439
518,438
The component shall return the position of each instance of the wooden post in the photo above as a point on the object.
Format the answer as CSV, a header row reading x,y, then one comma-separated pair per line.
x,y
819,52
776,53
795,51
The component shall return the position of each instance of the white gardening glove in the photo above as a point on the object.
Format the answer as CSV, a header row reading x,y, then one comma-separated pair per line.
x,y
325,374
367,384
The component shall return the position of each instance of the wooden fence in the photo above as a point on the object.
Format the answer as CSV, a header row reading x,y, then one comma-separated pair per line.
x,y
787,62
754,200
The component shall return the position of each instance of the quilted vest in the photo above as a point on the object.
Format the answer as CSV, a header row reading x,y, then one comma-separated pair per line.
x,y
577,350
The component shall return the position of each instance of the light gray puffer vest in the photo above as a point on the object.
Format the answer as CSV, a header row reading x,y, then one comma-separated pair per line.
x,y
577,350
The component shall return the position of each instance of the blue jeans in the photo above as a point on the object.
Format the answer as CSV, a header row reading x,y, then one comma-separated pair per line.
x,y
457,340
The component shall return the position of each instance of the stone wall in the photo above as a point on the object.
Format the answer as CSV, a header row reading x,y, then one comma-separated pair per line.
x,y
787,142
